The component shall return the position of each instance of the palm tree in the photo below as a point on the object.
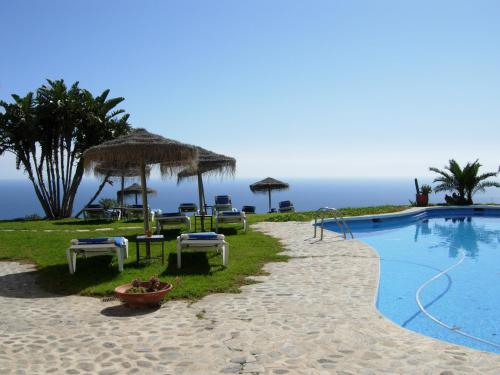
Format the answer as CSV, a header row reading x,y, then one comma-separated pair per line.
x,y
49,130
466,182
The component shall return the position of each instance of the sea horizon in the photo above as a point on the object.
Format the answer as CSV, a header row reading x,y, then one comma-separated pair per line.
x,y
306,193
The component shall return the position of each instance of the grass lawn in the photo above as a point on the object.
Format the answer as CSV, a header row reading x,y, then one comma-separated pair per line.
x,y
309,215
44,243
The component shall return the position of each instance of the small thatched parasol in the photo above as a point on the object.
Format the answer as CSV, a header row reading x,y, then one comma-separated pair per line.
x,y
135,189
143,148
267,185
209,163
107,171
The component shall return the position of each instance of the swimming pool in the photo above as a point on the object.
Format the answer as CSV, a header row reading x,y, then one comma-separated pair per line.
x,y
439,272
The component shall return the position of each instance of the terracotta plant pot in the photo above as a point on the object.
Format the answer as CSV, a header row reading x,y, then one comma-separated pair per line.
x,y
142,299
422,200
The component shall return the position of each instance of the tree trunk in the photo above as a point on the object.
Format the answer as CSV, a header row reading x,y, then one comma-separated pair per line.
x,y
40,197
25,159
469,198
75,183
40,183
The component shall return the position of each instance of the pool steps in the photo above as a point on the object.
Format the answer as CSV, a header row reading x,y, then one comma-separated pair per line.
x,y
337,218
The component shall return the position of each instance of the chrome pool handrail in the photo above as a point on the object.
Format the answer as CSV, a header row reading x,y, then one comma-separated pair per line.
x,y
337,216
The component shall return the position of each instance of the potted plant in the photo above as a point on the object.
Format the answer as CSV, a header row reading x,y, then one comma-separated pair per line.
x,y
423,196
141,294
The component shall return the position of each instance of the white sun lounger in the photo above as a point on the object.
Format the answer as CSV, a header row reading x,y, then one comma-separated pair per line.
x,y
135,212
89,247
224,217
206,241
94,211
286,206
171,218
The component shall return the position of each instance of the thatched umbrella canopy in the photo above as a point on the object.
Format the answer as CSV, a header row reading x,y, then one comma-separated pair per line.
x,y
107,171
267,185
135,189
209,163
143,148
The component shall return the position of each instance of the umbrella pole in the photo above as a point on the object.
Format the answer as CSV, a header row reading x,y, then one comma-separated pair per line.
x,y
269,192
122,196
203,197
201,201
205,212
136,196
145,206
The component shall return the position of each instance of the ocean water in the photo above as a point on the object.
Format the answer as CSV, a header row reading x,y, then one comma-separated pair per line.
x,y
19,200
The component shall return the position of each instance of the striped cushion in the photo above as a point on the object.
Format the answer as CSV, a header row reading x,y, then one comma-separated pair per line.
x,y
222,199
230,213
171,214
203,236
118,241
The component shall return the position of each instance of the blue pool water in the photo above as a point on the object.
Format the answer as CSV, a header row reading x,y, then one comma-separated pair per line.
x,y
416,248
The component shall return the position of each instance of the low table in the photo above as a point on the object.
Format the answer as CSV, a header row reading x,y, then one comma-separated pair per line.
x,y
148,240
202,221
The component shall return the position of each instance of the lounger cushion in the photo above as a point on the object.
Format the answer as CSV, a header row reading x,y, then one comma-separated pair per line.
x,y
95,241
94,206
171,214
286,204
203,236
187,205
118,241
136,206
222,199
230,213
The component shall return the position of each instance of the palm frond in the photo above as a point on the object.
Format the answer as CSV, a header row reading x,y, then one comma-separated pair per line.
x,y
481,187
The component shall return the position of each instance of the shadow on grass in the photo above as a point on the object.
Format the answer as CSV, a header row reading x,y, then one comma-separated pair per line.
x,y
228,231
21,220
193,263
89,272
138,221
171,233
120,311
84,222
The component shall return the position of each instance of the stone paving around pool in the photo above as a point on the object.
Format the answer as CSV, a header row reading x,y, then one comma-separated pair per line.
x,y
314,314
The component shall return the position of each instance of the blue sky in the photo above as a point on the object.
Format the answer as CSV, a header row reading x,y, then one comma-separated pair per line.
x,y
289,88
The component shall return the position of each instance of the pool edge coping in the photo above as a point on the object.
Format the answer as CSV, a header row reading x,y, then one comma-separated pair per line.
x,y
413,211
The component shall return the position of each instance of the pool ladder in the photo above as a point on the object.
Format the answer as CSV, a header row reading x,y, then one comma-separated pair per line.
x,y
337,216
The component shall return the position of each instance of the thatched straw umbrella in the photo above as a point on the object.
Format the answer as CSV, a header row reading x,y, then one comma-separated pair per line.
x,y
267,185
143,148
209,164
135,189
107,171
